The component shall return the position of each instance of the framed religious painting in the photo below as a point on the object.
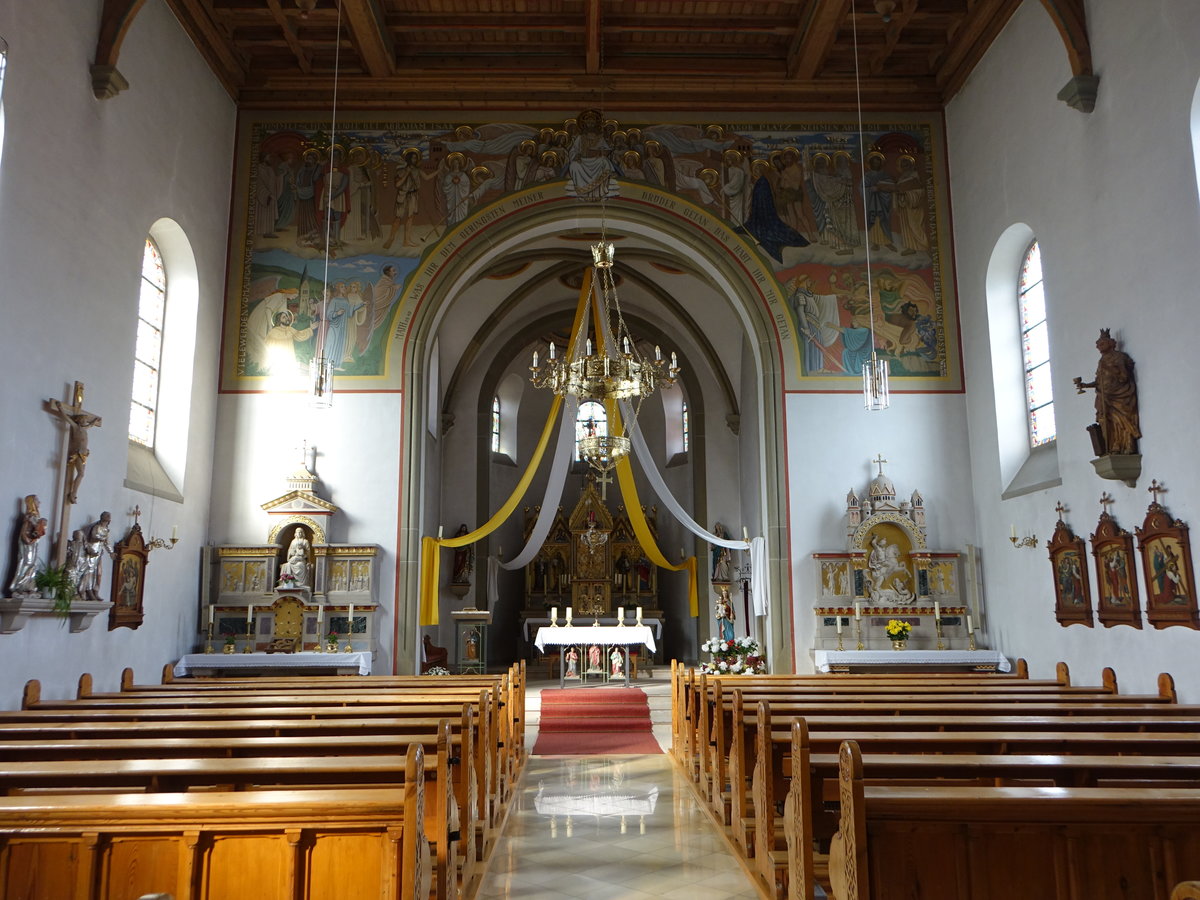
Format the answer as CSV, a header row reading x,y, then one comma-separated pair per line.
x,y
1072,594
129,580
1167,569
1116,579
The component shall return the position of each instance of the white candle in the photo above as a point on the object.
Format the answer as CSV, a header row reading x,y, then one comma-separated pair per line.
x,y
620,615
857,610
174,532
535,365
439,532
552,349
570,609
350,618
937,610
250,619
639,615
211,609
970,625
1013,530
745,534
554,614
838,620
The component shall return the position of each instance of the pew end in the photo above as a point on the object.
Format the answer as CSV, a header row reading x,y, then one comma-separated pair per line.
x,y
1063,673
1108,679
168,674
85,686
1166,687
127,679
32,694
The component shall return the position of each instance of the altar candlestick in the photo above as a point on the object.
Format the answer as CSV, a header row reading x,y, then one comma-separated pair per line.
x,y
970,625
620,615
211,609
350,618
745,534
570,609
857,609
250,619
838,621
553,615
937,610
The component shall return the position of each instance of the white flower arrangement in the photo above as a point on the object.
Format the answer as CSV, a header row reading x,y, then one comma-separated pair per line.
x,y
739,656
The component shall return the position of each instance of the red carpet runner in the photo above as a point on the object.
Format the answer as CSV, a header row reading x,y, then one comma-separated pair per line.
x,y
588,721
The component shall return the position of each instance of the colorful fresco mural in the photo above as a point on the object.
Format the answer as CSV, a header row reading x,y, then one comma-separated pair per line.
x,y
384,194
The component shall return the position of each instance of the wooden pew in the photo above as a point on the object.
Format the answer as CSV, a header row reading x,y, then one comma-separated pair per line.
x,y
786,858
971,843
1186,890
217,845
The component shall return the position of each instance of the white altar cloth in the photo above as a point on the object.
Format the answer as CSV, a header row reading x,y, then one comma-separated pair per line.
x,y
532,623
345,663
595,634
827,660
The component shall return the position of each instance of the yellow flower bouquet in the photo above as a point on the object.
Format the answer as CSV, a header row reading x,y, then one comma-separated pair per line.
x,y
897,630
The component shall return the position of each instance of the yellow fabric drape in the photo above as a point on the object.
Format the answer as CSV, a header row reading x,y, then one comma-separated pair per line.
x,y
430,557
637,517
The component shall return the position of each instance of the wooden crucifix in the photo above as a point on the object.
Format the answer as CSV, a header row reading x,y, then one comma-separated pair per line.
x,y
74,457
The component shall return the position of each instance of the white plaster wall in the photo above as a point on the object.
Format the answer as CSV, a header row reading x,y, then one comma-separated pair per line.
x,y
1112,198
81,182
831,440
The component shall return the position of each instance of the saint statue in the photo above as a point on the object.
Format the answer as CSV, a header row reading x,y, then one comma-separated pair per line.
x,y
617,662
887,574
572,663
33,529
1118,426
720,557
296,563
725,615
464,560
95,544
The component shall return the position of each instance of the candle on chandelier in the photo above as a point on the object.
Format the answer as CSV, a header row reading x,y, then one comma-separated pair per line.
x,y
657,353
625,344
174,532
552,349
1012,530
674,362
535,365
588,347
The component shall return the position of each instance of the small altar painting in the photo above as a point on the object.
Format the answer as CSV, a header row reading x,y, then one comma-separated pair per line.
x,y
1073,598
129,580
1167,568
1112,548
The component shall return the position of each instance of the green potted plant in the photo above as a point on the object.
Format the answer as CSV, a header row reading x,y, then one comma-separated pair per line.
x,y
54,583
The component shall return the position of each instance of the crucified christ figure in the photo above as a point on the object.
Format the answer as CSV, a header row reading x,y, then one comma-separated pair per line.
x,y
78,422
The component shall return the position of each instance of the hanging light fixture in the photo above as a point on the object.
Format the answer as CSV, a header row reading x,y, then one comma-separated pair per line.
x,y
321,366
874,370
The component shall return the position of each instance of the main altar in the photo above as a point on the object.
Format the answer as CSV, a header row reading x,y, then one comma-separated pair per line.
x,y
887,572
592,563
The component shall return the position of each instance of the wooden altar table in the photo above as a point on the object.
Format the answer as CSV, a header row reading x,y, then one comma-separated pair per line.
x,y
911,661
302,663
604,636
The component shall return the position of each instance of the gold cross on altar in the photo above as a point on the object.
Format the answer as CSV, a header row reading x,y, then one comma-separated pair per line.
x,y
1106,500
604,480
879,460
1156,489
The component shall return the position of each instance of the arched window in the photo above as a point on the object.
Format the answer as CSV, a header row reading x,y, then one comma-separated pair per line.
x,y
1035,349
152,308
590,420
687,434
495,424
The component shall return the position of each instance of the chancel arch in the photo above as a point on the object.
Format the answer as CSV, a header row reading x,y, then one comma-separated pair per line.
x,y
730,304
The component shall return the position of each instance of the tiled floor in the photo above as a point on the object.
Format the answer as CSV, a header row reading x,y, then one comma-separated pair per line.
x,y
610,828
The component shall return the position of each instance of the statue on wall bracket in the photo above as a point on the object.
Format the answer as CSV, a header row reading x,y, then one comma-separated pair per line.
x,y
1117,428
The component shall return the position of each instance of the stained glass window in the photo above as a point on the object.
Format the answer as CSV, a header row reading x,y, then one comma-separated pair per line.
x,y
590,420
152,305
495,424
686,428
1035,346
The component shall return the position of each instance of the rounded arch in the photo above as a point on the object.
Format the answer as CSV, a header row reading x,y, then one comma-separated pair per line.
x,y
676,230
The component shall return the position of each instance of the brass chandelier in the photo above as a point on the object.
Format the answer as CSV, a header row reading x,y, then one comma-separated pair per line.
x,y
602,374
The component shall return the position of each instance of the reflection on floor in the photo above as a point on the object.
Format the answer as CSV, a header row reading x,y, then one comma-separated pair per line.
x,y
610,828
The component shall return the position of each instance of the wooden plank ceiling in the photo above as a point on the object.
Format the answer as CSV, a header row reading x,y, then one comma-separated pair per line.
x,y
767,55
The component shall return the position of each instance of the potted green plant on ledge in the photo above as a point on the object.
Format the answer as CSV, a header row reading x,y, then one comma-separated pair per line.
x,y
54,583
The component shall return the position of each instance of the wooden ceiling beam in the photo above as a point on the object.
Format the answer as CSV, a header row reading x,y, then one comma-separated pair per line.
x,y
1071,21
979,26
370,36
814,37
214,43
303,60
592,37
115,19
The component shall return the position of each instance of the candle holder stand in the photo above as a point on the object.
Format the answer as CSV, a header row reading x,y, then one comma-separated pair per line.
x,y
937,621
208,645
858,633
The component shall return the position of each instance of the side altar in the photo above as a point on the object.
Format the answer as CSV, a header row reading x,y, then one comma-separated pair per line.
x,y
296,590
887,571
